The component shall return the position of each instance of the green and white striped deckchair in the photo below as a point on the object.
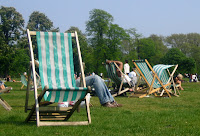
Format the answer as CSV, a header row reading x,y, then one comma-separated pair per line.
x,y
165,76
112,74
153,81
23,80
56,69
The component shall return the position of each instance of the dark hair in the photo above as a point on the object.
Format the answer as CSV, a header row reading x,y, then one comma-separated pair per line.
x,y
126,61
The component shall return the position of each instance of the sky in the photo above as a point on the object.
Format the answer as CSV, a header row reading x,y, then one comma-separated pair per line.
x,y
160,17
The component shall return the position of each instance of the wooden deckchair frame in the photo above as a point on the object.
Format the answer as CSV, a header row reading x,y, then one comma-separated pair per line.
x,y
151,89
171,80
36,107
120,91
2,101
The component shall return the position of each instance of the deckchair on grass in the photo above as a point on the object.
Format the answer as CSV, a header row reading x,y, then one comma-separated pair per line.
x,y
2,101
122,86
166,77
23,80
56,71
150,77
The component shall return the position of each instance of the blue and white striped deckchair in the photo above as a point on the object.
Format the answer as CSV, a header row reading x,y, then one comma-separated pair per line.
x,y
56,71
165,76
111,69
150,77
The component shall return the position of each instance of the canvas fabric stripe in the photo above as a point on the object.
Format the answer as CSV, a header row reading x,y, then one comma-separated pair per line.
x,y
148,74
57,68
162,73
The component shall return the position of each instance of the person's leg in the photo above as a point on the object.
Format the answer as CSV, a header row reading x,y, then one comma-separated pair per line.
x,y
100,88
180,87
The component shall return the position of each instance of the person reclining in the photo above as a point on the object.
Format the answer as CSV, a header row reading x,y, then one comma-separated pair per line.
x,y
101,90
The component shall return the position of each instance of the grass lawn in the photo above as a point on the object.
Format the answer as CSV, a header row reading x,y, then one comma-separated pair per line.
x,y
177,116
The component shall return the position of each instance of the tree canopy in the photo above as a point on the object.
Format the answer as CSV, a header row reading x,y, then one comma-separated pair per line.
x,y
102,40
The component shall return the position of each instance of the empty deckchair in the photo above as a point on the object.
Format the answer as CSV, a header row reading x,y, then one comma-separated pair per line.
x,y
2,101
56,71
122,86
165,76
150,77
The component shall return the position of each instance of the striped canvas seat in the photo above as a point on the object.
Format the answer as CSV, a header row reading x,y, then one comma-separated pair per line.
x,y
56,67
149,75
165,75
56,70
162,73
112,73
23,80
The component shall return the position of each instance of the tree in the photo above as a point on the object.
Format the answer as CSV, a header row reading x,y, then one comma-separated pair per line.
x,y
97,27
11,29
175,56
133,46
11,25
40,22
160,48
115,37
189,44
20,62
147,49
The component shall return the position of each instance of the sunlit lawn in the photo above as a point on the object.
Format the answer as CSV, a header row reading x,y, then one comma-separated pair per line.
x,y
178,116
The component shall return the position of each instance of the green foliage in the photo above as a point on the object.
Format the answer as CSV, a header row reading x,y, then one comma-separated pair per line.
x,y
114,39
11,25
20,62
105,41
130,44
146,49
97,28
175,56
40,22
160,48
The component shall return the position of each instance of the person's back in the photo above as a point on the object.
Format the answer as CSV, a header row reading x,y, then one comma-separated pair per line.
x,y
133,76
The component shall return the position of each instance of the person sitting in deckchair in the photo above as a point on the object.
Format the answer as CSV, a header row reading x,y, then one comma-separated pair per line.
x,y
120,65
2,86
177,80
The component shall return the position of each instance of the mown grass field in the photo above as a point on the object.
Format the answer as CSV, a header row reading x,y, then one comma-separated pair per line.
x,y
176,116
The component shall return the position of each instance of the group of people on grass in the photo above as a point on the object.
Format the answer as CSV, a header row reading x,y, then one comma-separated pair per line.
x,y
102,91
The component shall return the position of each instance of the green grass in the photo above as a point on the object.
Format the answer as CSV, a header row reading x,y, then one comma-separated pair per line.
x,y
176,116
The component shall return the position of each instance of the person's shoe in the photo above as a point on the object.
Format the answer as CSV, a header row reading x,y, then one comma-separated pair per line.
x,y
108,104
116,104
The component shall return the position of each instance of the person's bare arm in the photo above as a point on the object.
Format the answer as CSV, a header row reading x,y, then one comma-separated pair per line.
x,y
119,63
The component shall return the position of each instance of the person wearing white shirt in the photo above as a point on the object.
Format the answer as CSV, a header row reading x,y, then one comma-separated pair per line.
x,y
126,67
133,76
